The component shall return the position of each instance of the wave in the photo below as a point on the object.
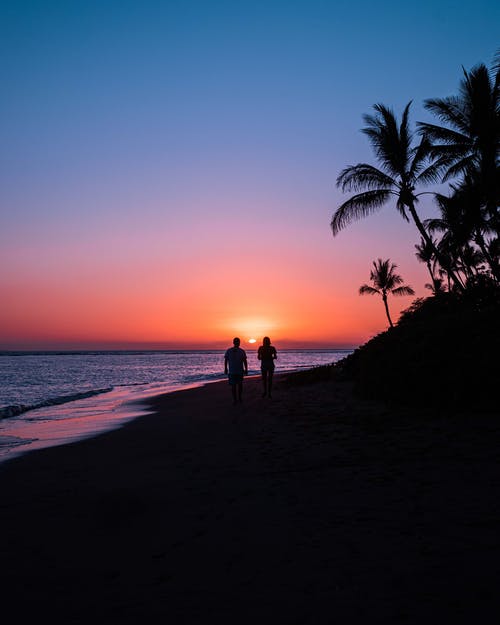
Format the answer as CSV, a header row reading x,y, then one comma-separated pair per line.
x,y
17,409
133,384
8,442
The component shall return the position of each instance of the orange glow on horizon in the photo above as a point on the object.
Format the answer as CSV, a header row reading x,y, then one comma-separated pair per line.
x,y
294,317
295,298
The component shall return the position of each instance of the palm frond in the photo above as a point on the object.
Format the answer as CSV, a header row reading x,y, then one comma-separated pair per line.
x,y
357,207
447,154
435,225
382,274
401,206
420,169
448,110
403,290
463,167
431,174
365,289
405,135
440,133
495,69
496,61
383,132
394,278
364,176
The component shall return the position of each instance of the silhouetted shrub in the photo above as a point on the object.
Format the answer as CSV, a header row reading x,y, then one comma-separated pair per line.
x,y
443,353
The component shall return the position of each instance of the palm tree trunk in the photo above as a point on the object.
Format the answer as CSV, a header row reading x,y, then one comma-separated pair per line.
x,y
384,297
428,240
429,267
466,267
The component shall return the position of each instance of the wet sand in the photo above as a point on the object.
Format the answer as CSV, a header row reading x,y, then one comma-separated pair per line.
x,y
310,508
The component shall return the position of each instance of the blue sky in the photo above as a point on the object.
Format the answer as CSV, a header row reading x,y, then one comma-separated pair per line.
x,y
120,93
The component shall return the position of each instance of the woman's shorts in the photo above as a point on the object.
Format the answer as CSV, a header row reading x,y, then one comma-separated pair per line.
x,y
267,367
235,379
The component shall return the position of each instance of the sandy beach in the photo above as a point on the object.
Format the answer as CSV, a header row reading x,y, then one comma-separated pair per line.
x,y
310,508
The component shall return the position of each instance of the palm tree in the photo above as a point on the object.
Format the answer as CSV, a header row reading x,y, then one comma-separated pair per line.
x,y
403,167
462,224
385,280
425,254
468,145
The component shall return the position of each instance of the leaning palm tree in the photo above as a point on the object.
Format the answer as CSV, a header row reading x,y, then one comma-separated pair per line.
x,y
385,280
403,167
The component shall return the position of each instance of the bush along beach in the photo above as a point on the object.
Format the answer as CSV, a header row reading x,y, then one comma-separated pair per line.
x,y
443,353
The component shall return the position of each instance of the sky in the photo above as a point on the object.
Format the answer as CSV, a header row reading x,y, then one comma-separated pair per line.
x,y
167,169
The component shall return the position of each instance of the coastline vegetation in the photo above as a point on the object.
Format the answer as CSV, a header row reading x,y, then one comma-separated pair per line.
x,y
443,351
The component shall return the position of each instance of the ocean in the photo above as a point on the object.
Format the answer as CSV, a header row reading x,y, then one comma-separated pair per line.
x,y
51,398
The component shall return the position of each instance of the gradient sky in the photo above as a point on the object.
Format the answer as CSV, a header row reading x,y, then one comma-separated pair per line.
x,y
167,169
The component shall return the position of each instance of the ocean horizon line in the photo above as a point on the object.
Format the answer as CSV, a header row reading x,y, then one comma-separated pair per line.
x,y
173,350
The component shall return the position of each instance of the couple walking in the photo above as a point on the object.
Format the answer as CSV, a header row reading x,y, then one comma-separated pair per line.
x,y
236,366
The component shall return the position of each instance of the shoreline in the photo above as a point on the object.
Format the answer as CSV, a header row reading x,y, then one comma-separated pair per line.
x,y
78,410
312,507
103,412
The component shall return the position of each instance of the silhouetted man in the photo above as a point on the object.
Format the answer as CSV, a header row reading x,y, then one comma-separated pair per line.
x,y
236,366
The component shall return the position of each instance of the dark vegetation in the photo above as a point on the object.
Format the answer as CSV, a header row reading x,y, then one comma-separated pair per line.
x,y
444,350
443,354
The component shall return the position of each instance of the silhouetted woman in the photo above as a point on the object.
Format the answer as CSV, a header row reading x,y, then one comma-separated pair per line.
x,y
267,355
